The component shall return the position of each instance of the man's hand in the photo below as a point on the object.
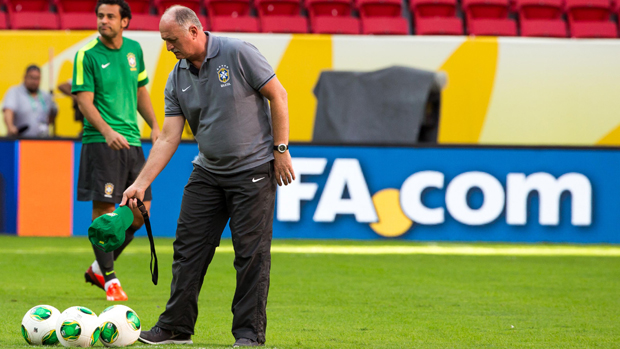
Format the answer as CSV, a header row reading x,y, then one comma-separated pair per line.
x,y
115,140
131,194
154,134
283,166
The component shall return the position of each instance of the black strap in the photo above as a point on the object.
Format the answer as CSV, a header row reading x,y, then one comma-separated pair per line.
x,y
147,223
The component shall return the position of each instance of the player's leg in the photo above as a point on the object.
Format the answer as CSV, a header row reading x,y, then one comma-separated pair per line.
x,y
251,202
201,221
104,260
95,184
138,222
101,180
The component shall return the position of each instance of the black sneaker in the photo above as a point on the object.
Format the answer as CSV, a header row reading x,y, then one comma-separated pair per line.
x,y
246,342
158,335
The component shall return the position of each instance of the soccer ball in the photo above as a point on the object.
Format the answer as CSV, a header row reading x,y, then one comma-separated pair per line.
x,y
78,327
120,326
39,325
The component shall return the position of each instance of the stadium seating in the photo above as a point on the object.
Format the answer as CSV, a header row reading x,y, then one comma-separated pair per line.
x,y
382,17
3,21
162,5
204,20
281,16
590,19
488,17
332,17
141,16
436,17
231,16
141,21
541,18
31,14
77,14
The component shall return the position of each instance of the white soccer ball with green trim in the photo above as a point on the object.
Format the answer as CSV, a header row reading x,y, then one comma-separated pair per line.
x,y
78,327
120,326
39,325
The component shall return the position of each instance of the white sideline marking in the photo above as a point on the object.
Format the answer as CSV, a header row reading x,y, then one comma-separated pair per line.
x,y
431,249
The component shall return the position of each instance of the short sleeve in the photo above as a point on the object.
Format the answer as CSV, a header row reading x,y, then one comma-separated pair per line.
x,y
143,78
83,73
172,106
254,66
10,100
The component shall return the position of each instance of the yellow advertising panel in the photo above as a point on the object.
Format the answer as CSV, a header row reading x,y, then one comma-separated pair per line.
x,y
505,91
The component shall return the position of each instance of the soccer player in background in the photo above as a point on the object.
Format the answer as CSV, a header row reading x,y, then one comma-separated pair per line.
x,y
109,79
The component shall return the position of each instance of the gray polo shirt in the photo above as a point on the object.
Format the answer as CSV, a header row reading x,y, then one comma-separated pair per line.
x,y
230,119
29,110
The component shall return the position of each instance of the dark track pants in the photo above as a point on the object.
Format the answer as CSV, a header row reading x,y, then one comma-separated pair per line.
x,y
209,200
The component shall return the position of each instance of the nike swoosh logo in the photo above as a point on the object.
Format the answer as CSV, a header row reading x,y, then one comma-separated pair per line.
x,y
109,273
187,88
256,180
105,65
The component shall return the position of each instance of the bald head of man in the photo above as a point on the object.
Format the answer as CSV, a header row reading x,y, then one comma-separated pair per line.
x,y
180,28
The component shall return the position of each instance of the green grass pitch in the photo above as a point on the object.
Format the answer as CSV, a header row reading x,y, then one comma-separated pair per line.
x,y
334,294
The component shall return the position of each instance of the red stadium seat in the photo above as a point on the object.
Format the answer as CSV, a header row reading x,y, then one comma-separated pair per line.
x,y
231,16
382,17
590,19
234,24
379,8
3,21
436,17
385,25
284,24
139,6
335,25
162,5
332,17
231,8
83,6
78,21
77,14
488,17
277,7
204,20
31,14
141,21
281,16
541,18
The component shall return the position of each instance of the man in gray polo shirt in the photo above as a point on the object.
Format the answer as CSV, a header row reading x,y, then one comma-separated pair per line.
x,y
223,87
27,110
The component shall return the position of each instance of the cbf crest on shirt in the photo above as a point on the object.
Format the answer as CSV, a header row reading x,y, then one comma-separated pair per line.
x,y
131,58
114,77
223,74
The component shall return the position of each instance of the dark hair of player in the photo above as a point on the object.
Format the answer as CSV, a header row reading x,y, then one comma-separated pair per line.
x,y
125,10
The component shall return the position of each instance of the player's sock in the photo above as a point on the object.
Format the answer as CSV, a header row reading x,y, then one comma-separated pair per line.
x,y
96,268
110,275
106,263
113,281
129,233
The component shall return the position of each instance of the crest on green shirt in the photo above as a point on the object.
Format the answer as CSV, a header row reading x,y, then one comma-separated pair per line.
x,y
131,58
